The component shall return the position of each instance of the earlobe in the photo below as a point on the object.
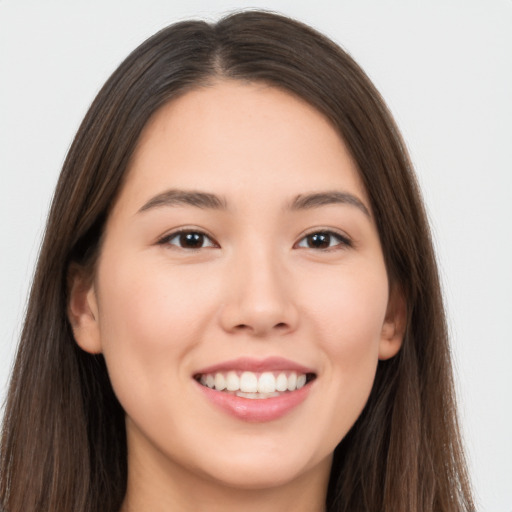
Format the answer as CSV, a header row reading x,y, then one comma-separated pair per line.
x,y
83,311
393,329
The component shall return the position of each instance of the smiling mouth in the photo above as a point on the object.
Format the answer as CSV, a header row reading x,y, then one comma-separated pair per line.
x,y
255,385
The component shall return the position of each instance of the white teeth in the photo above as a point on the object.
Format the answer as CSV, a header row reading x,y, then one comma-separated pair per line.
x,y
292,381
220,382
210,381
281,382
262,385
256,396
232,382
248,382
267,383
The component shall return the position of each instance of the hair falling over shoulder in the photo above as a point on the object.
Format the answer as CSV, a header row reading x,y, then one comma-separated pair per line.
x,y
63,445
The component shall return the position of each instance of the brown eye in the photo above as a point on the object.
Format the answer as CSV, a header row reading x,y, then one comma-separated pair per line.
x,y
319,241
189,240
324,240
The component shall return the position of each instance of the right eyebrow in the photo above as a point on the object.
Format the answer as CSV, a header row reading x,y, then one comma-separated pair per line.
x,y
176,197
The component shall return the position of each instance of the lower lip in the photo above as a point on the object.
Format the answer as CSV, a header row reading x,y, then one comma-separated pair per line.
x,y
256,410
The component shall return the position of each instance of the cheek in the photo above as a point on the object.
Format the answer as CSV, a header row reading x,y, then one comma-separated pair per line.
x,y
148,326
348,320
151,305
350,309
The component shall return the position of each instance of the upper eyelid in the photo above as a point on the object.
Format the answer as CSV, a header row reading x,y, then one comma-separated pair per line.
x,y
330,231
169,236
344,241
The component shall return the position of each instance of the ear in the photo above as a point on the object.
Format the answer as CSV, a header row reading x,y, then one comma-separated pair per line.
x,y
393,329
83,310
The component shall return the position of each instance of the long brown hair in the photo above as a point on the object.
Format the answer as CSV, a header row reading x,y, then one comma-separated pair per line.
x,y
63,443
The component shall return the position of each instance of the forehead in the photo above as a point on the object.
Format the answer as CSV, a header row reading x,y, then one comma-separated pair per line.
x,y
237,138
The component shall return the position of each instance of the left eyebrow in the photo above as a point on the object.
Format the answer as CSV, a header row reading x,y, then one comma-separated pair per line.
x,y
314,200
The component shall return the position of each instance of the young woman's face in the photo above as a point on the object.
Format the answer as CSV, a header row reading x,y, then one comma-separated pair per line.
x,y
241,252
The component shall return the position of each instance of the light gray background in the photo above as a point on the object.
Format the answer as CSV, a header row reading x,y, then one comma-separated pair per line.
x,y
445,69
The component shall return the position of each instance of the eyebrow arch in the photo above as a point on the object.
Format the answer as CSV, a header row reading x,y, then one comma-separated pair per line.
x,y
174,197
314,200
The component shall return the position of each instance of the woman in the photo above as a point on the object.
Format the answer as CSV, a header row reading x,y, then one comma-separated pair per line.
x,y
236,304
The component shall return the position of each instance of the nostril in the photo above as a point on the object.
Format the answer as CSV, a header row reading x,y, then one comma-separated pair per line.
x,y
260,328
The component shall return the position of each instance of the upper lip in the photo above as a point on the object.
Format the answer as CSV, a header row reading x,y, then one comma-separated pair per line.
x,y
250,364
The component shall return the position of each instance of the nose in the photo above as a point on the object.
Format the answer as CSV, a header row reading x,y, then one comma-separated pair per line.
x,y
259,297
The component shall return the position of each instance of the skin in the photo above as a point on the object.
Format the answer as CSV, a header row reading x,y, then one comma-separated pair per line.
x,y
160,312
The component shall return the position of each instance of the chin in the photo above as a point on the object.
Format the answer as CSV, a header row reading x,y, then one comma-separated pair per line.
x,y
256,478
254,471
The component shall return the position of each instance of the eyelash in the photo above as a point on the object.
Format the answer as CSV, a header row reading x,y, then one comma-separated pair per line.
x,y
184,232
343,241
